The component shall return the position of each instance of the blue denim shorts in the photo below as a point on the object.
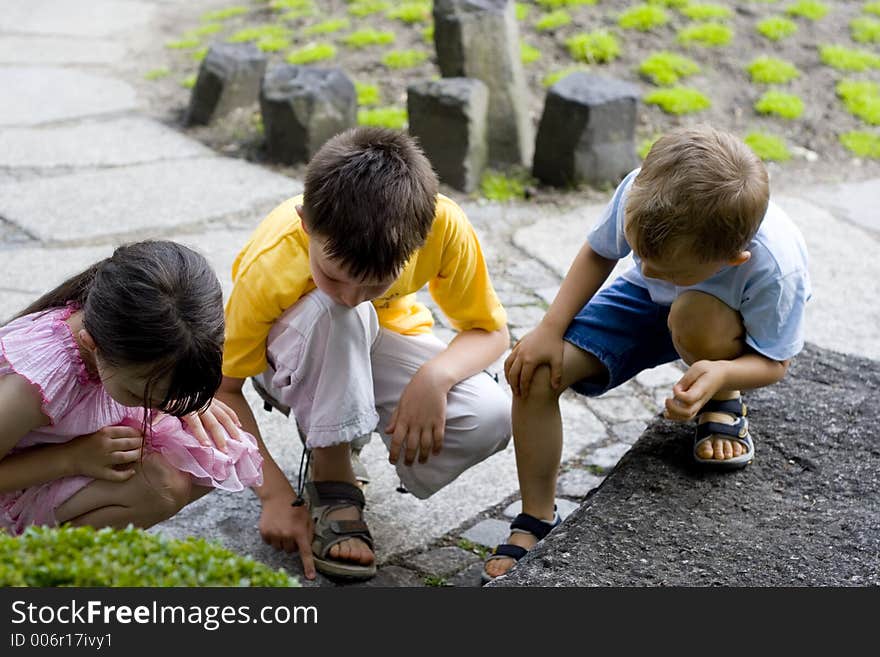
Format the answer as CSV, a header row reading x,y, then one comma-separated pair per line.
x,y
625,330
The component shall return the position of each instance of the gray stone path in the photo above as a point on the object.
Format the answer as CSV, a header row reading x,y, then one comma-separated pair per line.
x,y
83,168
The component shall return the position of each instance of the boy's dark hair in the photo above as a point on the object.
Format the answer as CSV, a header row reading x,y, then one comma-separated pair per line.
x,y
699,189
156,304
371,194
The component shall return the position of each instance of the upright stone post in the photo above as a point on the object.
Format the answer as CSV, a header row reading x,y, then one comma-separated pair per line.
x,y
480,39
448,117
303,107
587,131
229,78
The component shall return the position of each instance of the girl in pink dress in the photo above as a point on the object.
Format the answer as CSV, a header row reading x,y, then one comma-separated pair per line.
x,y
101,382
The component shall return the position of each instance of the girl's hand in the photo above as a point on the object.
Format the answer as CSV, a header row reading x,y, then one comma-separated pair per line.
x,y
419,421
699,384
212,422
106,454
542,346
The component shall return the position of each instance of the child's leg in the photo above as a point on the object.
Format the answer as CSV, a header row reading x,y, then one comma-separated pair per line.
x,y
477,411
156,492
537,435
321,369
705,328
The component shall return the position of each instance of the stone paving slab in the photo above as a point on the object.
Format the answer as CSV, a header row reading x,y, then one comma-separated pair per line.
x,y
141,199
62,51
443,561
854,202
577,483
42,94
116,142
97,18
488,533
805,513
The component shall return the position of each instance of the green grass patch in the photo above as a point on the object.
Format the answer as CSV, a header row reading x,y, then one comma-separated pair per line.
x,y
383,117
364,8
861,143
521,10
553,20
497,186
481,550
865,29
781,104
189,81
326,27
369,37
204,30
157,73
428,34
259,32
848,59
771,70
368,95
315,52
84,556
200,54
678,100
528,54
643,18
411,12
776,28
706,12
769,148
708,35
666,68
594,47
404,58
645,146
861,98
224,14
294,6
556,4
871,8
672,4
436,580
273,43
810,9
184,44
555,76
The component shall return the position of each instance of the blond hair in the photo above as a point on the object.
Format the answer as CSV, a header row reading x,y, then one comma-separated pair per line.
x,y
699,189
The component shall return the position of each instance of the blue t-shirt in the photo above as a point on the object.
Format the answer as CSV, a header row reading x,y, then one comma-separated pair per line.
x,y
770,290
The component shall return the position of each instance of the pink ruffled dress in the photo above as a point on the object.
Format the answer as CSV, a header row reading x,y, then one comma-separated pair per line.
x,y
41,348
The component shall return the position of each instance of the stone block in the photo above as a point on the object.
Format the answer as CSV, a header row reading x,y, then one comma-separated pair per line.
x,y
229,78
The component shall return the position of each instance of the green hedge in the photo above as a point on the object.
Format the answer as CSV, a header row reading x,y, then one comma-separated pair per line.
x,y
82,556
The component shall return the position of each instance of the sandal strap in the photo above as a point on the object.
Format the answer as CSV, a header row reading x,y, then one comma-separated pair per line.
x,y
735,407
322,493
534,526
515,552
739,431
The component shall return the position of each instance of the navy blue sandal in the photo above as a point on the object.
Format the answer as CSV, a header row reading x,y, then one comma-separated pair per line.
x,y
739,431
524,524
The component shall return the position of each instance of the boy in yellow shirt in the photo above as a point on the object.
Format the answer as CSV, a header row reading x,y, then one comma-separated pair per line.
x,y
323,313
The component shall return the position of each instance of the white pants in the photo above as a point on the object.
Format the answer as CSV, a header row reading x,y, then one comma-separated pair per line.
x,y
342,376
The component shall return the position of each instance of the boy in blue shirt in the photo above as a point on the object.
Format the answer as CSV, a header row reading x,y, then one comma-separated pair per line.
x,y
720,280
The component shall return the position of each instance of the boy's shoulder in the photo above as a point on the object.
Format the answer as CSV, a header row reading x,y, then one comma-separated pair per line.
x,y
279,235
779,244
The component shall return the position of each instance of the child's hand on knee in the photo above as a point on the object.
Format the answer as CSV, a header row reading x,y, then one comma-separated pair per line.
x,y
543,346
107,453
419,421
699,384
213,424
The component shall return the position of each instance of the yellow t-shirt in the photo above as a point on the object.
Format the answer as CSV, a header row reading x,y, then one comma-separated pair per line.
x,y
272,272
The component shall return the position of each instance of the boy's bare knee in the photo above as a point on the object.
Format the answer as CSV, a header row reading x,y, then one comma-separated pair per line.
x,y
542,386
166,486
704,327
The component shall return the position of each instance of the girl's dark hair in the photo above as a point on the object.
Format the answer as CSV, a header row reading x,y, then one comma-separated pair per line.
x,y
153,304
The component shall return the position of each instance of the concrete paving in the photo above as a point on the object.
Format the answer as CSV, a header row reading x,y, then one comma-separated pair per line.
x,y
82,168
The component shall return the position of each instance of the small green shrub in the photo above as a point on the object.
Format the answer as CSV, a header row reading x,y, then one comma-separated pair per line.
x,y
771,70
315,52
555,76
205,30
369,37
810,9
522,10
553,21
189,81
768,147
184,44
672,4
260,32
776,28
497,186
865,29
326,27
781,104
157,73
645,146
871,8
404,58
223,14
666,68
863,144
861,98
643,18
367,94
384,117
428,34
848,59
411,12
295,9
594,47
709,35
706,12
273,43
200,54
83,556
528,54
678,100
556,4
363,8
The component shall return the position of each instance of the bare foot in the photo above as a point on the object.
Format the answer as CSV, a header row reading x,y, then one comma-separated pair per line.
x,y
353,550
717,447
